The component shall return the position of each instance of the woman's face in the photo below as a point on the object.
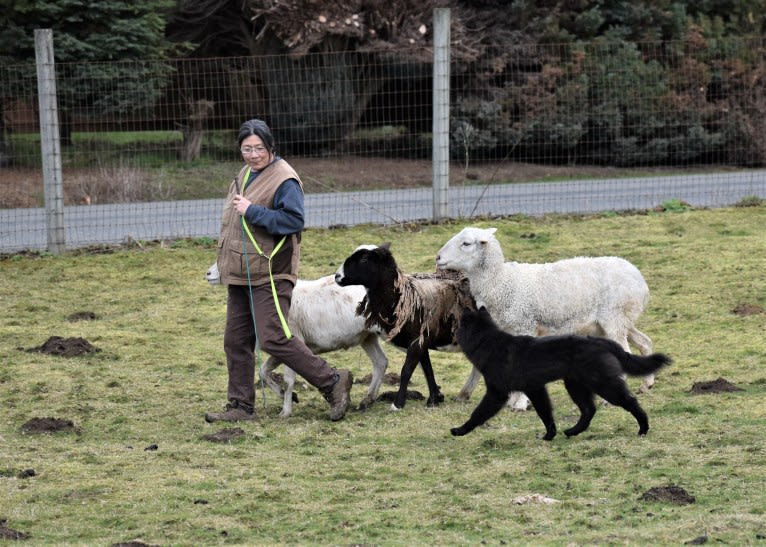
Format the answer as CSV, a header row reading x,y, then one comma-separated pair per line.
x,y
255,154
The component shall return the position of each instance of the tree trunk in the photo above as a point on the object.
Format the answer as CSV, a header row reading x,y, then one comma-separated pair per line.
x,y
193,132
5,160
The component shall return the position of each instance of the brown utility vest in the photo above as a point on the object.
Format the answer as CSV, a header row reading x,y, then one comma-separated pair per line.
x,y
231,258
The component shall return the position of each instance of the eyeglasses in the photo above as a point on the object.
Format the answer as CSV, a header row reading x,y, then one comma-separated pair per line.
x,y
257,150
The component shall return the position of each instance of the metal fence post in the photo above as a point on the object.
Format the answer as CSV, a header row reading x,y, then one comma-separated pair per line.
x,y
50,144
441,108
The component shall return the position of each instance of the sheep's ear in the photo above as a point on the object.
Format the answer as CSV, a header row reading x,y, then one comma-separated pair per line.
x,y
486,235
386,245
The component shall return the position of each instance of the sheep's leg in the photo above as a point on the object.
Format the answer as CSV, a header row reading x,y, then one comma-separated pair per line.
x,y
489,406
371,347
470,385
287,400
644,345
542,403
265,372
434,393
410,362
583,398
288,395
517,400
619,335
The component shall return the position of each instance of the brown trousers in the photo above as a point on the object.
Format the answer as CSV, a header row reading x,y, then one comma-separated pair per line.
x,y
239,341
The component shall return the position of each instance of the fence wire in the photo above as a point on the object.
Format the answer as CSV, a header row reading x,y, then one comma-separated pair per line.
x,y
148,147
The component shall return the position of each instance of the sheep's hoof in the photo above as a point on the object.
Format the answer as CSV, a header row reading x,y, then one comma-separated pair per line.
x,y
462,397
365,404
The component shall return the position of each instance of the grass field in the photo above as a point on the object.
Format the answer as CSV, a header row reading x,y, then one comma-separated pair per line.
x,y
134,466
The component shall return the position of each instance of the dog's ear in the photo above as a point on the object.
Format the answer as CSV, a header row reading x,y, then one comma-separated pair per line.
x,y
386,245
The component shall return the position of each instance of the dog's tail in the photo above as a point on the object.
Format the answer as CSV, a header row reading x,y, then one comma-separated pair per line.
x,y
641,365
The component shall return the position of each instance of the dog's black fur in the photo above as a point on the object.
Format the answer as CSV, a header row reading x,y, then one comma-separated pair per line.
x,y
587,365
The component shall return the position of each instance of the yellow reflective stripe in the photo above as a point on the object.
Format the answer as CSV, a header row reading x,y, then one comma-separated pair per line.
x,y
285,327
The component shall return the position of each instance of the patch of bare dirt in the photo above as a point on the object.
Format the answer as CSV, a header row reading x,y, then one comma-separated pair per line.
x,y
65,347
389,379
668,494
82,316
10,533
48,425
747,309
224,435
719,385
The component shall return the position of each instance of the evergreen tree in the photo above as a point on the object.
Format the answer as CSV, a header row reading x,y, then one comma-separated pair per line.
x,y
85,34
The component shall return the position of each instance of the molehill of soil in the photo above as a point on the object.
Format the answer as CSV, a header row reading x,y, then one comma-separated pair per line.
x,y
10,533
746,309
65,347
48,425
719,385
668,494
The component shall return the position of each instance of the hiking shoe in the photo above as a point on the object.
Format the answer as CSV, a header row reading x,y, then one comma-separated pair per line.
x,y
339,395
234,411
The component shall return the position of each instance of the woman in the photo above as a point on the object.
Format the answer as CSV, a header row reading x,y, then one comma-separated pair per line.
x,y
258,255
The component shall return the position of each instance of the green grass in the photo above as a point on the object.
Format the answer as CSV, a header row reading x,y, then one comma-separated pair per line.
x,y
378,477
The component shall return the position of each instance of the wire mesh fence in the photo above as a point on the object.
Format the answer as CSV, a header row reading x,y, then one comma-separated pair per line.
x,y
149,147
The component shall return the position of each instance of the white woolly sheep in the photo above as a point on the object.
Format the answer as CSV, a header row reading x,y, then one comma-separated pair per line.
x,y
323,315
601,296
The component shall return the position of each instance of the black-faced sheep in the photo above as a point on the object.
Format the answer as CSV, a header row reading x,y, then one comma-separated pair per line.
x,y
323,315
601,296
417,312
587,364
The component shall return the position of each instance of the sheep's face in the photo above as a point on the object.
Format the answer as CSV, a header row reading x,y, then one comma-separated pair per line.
x,y
366,266
465,250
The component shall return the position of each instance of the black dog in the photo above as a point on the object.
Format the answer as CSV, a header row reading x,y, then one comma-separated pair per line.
x,y
587,365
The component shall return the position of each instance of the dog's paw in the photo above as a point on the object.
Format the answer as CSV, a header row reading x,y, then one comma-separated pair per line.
x,y
458,431
395,408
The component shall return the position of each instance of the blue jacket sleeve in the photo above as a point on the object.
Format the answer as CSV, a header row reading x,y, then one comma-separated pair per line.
x,y
287,215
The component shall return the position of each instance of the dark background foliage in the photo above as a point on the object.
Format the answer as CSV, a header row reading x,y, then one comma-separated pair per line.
x,y
543,80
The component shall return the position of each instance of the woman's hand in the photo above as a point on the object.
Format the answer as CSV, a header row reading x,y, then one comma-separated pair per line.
x,y
241,203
